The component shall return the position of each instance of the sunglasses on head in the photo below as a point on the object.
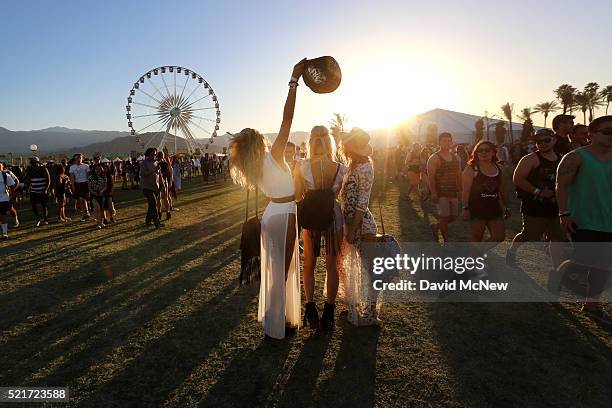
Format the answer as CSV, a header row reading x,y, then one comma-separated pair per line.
x,y
484,150
544,140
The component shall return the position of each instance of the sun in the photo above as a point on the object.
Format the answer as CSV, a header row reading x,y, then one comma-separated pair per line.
x,y
383,95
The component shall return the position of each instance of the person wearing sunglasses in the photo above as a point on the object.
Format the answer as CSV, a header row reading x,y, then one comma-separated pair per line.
x,y
534,178
483,194
584,193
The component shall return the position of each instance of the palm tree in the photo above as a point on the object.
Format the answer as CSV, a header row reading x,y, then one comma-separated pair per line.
x,y
591,90
507,109
606,96
565,94
525,116
545,108
582,102
337,125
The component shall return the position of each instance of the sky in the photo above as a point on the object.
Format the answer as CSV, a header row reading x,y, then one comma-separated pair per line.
x,y
72,63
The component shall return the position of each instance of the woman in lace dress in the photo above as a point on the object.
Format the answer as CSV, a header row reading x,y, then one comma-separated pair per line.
x,y
254,164
362,302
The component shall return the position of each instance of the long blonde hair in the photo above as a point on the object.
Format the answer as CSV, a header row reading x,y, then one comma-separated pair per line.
x,y
321,143
246,151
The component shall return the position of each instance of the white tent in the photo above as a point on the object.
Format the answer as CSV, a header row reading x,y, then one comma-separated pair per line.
x,y
460,125
105,160
117,159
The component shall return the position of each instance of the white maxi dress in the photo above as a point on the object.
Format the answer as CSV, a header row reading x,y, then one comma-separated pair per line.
x,y
279,300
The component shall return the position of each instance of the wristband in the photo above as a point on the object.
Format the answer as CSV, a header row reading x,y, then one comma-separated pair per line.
x,y
564,214
293,79
293,85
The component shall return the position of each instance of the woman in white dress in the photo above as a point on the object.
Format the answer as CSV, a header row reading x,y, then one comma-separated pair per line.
x,y
320,171
253,165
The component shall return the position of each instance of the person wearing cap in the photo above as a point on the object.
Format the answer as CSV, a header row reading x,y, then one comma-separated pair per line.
x,y
534,178
79,172
563,125
444,175
359,226
39,183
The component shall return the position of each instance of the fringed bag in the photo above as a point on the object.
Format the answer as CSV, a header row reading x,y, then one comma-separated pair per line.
x,y
250,245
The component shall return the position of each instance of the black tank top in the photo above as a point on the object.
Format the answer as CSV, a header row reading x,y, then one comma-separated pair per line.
x,y
542,177
484,195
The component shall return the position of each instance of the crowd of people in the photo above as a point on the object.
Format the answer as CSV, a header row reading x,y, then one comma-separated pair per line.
x,y
85,186
562,177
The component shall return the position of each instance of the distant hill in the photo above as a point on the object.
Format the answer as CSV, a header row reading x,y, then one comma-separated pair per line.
x,y
51,139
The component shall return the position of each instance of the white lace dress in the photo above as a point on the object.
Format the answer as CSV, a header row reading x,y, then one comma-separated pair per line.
x,y
279,300
362,302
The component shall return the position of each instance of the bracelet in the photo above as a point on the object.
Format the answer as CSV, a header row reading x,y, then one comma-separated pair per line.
x,y
293,79
564,214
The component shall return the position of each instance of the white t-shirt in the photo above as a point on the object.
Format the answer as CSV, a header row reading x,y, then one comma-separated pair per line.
x,y
80,172
4,197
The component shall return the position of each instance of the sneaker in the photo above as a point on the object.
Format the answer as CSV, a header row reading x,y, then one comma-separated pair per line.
x,y
37,224
99,226
16,224
45,222
511,258
4,236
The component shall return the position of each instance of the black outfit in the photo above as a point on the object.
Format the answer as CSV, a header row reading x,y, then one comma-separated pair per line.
x,y
484,195
542,177
152,196
562,145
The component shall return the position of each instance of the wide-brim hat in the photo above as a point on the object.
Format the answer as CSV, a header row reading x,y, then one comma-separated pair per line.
x,y
358,141
322,74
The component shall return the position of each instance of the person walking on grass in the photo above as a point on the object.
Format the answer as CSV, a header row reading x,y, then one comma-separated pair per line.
x,y
584,194
16,190
149,173
79,172
412,167
97,183
61,189
485,196
165,184
534,178
7,187
39,182
444,176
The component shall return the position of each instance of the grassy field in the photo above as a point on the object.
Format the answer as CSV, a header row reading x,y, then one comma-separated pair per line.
x,y
132,316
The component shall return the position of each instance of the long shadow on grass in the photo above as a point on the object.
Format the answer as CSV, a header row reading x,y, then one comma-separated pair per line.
x,y
116,301
520,355
48,293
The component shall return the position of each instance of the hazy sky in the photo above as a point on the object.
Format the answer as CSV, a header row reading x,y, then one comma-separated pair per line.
x,y
72,63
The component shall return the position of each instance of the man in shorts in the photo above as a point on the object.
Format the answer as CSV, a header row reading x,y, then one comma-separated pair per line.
x,y
584,193
78,176
39,182
444,176
534,178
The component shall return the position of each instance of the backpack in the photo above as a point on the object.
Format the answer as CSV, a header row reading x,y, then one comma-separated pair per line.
x,y
316,211
250,245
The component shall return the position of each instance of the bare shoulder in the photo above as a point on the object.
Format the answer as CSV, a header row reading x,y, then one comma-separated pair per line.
x,y
570,163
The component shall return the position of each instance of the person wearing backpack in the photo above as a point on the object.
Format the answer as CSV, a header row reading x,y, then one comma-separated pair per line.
x,y
318,180
255,165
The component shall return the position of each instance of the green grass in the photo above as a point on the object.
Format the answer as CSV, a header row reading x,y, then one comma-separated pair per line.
x,y
130,316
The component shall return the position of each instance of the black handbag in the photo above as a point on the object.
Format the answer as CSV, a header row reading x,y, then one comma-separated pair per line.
x,y
250,245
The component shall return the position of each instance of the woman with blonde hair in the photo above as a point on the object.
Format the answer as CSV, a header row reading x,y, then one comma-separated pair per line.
x,y
255,165
360,227
320,174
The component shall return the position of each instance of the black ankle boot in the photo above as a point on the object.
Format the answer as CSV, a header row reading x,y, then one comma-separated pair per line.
x,y
328,316
311,316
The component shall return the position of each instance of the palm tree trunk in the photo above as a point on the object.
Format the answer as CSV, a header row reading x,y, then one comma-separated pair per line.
x,y
584,116
545,116
607,106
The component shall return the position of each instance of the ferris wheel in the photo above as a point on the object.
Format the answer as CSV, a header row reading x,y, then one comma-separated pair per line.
x,y
172,102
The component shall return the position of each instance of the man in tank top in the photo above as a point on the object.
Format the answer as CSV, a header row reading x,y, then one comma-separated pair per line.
x,y
534,178
444,176
584,193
